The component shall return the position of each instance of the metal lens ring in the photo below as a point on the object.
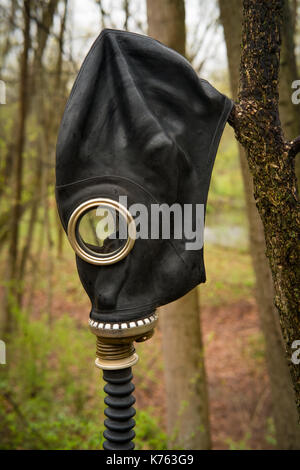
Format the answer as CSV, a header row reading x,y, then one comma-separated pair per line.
x,y
101,243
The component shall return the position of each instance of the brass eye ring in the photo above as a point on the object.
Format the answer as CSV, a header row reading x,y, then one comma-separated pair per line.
x,y
107,258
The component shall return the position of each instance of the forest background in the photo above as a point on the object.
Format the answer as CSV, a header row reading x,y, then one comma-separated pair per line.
x,y
50,392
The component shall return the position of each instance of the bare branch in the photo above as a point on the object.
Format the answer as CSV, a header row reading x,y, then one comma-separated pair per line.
x,y
295,147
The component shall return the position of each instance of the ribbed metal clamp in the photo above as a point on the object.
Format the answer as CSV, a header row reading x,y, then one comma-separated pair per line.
x,y
115,348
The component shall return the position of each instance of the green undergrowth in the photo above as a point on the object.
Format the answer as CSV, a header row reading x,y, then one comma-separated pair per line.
x,y
51,396
230,276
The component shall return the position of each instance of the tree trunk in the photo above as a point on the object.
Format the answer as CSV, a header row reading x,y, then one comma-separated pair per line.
x,y
43,32
285,415
187,399
186,390
289,112
166,23
12,288
31,224
271,161
7,44
58,109
37,92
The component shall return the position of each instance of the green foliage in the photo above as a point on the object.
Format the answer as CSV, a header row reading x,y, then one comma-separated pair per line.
x,y
230,276
253,350
243,444
256,347
227,184
271,432
148,433
51,394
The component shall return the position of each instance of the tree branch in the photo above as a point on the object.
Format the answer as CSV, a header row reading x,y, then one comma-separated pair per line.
x,y
232,117
295,147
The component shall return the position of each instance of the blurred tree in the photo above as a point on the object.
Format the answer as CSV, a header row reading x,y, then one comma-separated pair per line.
x,y
13,256
202,37
127,13
255,119
37,89
7,41
8,28
289,112
285,415
59,85
105,17
186,388
31,173
166,23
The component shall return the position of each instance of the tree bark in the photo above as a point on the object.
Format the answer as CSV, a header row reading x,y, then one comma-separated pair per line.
x,y
186,389
285,415
271,160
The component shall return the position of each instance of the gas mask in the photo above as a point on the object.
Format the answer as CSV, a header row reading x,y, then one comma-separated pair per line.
x,y
139,135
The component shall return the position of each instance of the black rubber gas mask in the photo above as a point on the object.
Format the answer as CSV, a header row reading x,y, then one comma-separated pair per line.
x,y
139,133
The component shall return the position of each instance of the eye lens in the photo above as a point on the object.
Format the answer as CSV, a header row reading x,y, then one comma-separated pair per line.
x,y
102,231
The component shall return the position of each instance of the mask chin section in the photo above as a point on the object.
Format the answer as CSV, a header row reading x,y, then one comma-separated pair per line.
x,y
123,329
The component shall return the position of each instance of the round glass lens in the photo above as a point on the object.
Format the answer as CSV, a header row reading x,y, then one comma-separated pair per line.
x,y
102,231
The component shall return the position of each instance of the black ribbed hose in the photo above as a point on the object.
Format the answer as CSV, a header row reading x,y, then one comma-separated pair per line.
x,y
119,412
